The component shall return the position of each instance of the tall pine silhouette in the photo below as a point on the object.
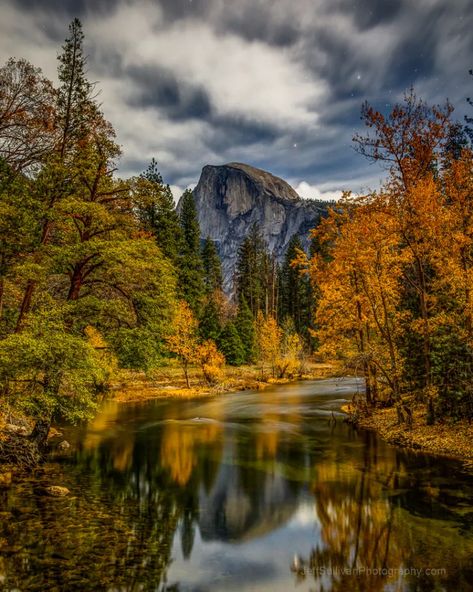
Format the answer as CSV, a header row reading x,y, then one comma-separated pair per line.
x,y
191,268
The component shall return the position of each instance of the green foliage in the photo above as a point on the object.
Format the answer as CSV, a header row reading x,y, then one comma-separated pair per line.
x,y
256,274
210,325
231,345
246,330
212,267
157,212
452,369
76,256
295,299
191,271
48,371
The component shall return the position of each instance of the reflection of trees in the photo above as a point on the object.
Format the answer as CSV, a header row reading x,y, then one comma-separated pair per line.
x,y
356,526
375,512
135,490
116,534
140,487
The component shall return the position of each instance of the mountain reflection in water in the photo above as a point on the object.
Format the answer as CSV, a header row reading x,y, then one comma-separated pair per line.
x,y
247,491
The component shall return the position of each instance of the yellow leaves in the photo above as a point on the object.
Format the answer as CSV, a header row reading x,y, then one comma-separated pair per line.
x,y
289,360
183,340
268,338
95,338
185,344
211,361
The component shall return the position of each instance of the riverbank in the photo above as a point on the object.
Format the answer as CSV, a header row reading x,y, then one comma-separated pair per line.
x,y
449,439
168,381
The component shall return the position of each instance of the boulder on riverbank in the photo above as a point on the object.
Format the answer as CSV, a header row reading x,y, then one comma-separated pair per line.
x,y
63,446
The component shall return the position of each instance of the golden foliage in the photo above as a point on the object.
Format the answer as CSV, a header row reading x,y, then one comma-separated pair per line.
x,y
211,361
268,340
183,341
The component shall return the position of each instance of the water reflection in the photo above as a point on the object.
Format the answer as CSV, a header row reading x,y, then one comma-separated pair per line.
x,y
252,491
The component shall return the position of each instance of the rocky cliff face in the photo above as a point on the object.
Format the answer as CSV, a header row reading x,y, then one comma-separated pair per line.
x,y
232,197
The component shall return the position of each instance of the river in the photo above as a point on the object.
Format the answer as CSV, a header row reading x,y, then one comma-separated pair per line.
x,y
265,491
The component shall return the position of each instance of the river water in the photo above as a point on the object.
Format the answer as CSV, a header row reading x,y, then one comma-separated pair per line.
x,y
266,491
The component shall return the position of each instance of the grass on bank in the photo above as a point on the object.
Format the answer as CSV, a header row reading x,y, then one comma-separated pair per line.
x,y
169,381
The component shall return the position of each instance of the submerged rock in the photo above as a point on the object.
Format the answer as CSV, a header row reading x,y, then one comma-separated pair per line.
x,y
57,491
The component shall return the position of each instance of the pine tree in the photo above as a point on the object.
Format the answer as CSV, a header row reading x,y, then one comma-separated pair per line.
x,y
295,287
210,325
75,97
79,124
251,270
246,330
191,269
231,345
213,279
158,213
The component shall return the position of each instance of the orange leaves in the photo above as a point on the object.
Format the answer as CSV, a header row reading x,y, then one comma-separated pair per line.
x,y
28,129
184,342
211,361
410,139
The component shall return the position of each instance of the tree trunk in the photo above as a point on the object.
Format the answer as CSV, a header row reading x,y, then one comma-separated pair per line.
x,y
40,432
31,284
186,374
75,287
25,304
2,285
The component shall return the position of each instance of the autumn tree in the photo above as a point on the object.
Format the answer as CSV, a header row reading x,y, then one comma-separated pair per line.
x,y
409,141
183,342
28,116
211,361
268,340
412,140
393,269
289,362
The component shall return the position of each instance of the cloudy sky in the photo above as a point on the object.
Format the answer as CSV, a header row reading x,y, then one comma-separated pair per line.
x,y
274,83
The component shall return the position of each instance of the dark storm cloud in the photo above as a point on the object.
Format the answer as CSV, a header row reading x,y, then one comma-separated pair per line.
x,y
277,83
160,88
